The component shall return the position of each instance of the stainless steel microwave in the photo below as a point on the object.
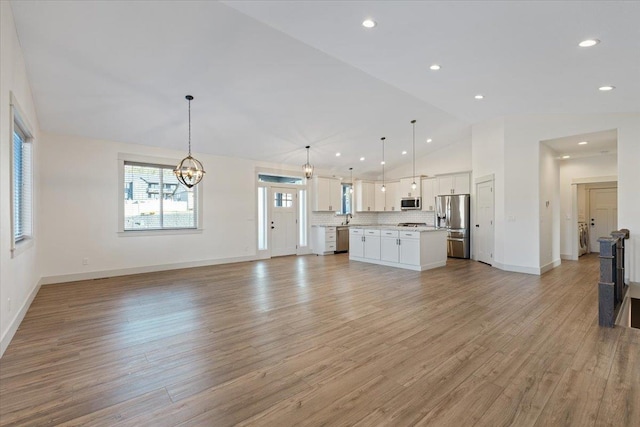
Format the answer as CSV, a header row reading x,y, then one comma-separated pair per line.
x,y
410,203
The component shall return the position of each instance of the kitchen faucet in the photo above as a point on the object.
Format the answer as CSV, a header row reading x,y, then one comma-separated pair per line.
x,y
346,221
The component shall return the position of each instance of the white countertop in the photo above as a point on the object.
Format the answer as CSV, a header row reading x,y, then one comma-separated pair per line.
x,y
396,228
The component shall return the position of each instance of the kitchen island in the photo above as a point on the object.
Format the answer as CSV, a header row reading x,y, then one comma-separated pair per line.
x,y
417,248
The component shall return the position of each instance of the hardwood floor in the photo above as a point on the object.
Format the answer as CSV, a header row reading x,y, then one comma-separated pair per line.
x,y
322,341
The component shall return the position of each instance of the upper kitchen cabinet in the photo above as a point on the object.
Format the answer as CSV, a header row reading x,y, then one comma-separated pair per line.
x,y
387,201
458,183
327,194
365,196
406,190
429,194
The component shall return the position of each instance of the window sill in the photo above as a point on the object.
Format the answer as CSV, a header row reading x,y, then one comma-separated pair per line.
x,y
21,247
168,232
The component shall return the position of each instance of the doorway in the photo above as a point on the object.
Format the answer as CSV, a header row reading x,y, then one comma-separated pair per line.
x,y
483,230
603,214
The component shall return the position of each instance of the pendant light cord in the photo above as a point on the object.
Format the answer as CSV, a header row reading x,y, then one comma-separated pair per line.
x,y
189,126
414,150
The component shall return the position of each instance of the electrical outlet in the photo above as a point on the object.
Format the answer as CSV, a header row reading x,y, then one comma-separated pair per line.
x,y
9,305
85,261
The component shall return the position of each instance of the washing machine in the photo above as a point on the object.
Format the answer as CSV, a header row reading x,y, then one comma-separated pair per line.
x,y
583,238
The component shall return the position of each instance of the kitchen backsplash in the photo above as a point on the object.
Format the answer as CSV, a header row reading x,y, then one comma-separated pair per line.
x,y
329,218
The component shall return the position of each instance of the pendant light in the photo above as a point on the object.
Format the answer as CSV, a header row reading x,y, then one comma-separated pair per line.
x,y
189,171
351,188
413,184
307,168
384,188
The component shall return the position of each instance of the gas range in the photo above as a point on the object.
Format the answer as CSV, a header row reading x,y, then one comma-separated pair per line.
x,y
412,224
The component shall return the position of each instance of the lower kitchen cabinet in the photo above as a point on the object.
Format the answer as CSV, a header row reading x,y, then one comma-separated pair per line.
x,y
364,243
323,240
389,246
413,250
371,244
356,243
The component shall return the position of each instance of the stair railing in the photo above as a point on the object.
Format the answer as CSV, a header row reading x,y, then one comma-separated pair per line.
x,y
611,286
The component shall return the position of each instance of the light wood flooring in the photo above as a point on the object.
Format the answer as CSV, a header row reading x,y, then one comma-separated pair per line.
x,y
299,341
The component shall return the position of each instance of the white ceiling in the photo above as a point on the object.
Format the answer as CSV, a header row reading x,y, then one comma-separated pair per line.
x,y
271,77
597,144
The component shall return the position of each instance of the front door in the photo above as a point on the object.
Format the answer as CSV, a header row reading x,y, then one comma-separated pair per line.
x,y
603,215
283,221
483,235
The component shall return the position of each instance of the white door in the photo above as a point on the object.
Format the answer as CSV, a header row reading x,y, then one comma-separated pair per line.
x,y
283,221
483,233
603,215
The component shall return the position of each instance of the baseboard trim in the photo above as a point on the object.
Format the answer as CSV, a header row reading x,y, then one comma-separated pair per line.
x,y
568,257
517,268
550,266
49,280
17,320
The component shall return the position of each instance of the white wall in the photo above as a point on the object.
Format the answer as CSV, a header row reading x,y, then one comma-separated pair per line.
x,y
576,169
18,275
549,198
519,236
452,158
488,159
81,202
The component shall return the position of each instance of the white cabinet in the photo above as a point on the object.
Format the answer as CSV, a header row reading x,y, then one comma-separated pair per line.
x,y
413,250
371,244
454,184
356,243
328,194
365,196
386,201
389,246
379,197
392,198
364,244
405,189
409,247
429,194
323,240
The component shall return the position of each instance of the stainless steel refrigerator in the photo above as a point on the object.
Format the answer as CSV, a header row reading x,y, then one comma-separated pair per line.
x,y
452,213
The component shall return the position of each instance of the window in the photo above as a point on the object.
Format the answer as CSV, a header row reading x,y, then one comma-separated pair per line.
x,y
282,200
347,199
155,200
22,184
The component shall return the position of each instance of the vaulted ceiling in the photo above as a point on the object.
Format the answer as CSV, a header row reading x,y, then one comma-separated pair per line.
x,y
270,77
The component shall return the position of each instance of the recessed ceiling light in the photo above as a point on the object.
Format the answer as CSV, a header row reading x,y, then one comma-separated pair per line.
x,y
479,96
588,42
382,162
565,157
429,140
583,143
362,159
606,88
368,23
434,67
404,152
337,154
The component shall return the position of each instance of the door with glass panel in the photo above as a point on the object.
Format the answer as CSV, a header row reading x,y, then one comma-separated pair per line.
x,y
282,225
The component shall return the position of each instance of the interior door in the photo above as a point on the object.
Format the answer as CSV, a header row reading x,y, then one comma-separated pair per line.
x,y
283,221
483,236
603,214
